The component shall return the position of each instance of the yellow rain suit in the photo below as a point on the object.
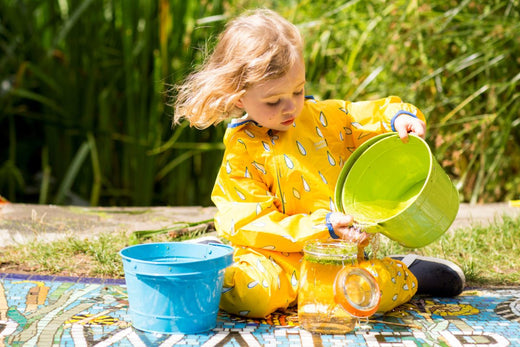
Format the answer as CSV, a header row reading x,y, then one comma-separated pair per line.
x,y
274,191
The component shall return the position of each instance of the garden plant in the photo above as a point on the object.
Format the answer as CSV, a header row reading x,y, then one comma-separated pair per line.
x,y
85,88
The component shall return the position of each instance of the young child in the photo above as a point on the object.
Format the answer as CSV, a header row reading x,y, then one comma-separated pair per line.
x,y
283,155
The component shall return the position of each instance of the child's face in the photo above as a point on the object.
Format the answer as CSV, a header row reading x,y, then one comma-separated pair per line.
x,y
275,104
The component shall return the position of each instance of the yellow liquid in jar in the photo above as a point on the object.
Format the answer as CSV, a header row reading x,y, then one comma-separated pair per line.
x,y
317,310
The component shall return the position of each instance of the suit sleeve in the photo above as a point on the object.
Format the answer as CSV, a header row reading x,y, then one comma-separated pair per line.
x,y
378,116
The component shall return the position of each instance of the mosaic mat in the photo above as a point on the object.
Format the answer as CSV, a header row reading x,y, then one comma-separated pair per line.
x,y
64,311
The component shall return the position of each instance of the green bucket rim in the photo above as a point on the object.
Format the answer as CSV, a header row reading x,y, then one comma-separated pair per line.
x,y
338,191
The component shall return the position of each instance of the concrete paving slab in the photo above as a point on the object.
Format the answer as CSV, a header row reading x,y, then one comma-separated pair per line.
x,y
21,223
471,215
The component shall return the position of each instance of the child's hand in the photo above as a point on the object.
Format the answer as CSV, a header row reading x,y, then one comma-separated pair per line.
x,y
343,227
405,124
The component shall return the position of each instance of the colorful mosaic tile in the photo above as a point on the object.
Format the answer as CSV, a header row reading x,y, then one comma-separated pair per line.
x,y
68,311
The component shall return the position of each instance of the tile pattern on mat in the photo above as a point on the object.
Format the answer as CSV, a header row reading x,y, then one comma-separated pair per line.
x,y
67,311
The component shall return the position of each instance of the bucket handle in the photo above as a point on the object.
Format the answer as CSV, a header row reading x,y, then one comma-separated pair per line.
x,y
219,245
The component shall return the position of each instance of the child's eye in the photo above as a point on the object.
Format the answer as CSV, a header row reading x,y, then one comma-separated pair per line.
x,y
275,103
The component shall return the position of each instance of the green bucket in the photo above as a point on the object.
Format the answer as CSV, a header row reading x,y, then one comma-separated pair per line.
x,y
397,189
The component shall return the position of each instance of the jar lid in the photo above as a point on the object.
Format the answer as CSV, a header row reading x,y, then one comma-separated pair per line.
x,y
357,291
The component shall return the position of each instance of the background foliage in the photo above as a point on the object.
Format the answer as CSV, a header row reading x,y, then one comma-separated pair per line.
x,y
83,90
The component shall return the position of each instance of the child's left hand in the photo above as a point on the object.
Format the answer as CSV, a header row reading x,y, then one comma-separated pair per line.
x,y
342,224
405,125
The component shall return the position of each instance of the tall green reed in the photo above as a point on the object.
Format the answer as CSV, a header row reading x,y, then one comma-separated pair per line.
x,y
457,60
89,78
83,89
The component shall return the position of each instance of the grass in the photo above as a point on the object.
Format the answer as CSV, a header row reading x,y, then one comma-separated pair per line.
x,y
489,255
70,257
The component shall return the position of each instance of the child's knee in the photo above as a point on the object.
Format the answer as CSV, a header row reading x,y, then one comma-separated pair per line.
x,y
254,288
396,282
244,295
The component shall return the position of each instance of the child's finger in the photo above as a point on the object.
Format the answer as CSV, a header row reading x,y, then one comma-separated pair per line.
x,y
340,220
420,130
354,235
403,134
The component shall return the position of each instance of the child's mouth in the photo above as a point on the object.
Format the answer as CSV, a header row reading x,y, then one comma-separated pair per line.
x,y
288,122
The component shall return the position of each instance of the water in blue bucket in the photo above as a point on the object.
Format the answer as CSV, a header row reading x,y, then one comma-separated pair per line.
x,y
175,286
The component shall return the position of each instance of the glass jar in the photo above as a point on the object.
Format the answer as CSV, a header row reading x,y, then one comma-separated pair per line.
x,y
334,293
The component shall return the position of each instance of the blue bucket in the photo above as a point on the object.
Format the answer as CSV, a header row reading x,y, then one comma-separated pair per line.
x,y
175,287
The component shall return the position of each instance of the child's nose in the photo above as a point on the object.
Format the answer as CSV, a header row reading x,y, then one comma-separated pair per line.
x,y
289,106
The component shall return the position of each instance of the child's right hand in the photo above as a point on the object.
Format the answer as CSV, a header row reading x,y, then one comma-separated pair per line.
x,y
405,125
343,227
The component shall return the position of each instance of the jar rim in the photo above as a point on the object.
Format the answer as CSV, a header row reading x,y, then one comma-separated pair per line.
x,y
333,250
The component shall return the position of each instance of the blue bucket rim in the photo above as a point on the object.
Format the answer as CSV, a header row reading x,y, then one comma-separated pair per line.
x,y
189,258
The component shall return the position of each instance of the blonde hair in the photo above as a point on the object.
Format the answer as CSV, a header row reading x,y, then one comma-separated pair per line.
x,y
257,46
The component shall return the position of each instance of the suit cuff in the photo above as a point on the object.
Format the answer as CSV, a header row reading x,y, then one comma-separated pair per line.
x,y
329,226
392,121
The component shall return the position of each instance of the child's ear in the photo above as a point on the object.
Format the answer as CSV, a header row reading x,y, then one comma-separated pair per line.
x,y
238,97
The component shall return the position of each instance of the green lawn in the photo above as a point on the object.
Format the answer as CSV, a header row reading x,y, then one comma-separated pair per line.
x,y
489,255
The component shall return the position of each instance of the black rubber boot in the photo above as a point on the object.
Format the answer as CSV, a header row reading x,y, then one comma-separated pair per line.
x,y
435,277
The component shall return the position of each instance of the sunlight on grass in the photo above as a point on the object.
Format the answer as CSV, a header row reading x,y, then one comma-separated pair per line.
x,y
488,255
97,257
